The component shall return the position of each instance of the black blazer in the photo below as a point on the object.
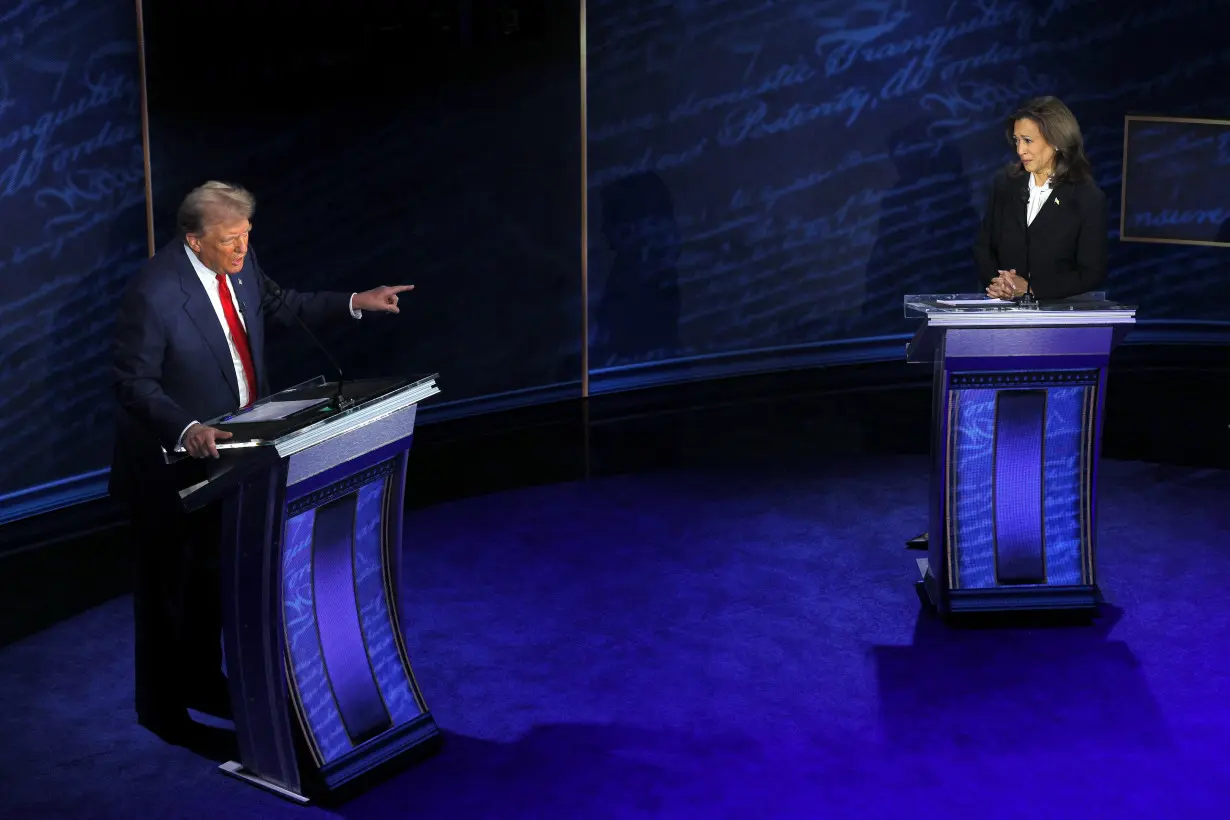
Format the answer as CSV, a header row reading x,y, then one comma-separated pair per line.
x,y
1067,244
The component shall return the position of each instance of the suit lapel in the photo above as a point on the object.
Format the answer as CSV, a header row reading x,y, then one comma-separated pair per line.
x,y
201,312
1049,209
1020,202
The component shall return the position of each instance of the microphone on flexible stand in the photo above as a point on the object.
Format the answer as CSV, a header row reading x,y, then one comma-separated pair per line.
x,y
1028,297
274,290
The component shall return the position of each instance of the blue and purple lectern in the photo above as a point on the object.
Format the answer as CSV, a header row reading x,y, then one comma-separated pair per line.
x,y
312,487
1016,434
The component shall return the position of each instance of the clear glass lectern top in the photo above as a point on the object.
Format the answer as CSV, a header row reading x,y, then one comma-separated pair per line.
x,y
919,306
299,410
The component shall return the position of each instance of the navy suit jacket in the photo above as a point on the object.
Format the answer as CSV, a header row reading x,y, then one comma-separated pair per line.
x,y
172,365
1066,245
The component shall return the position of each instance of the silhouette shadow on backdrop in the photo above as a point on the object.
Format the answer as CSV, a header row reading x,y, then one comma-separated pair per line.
x,y
1223,231
636,318
910,254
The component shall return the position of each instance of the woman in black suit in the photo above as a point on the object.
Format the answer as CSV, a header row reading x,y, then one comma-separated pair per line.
x,y
1044,231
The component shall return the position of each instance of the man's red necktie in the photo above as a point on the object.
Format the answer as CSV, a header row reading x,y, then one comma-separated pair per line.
x,y
239,335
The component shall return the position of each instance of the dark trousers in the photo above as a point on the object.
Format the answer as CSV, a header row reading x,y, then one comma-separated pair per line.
x,y
176,607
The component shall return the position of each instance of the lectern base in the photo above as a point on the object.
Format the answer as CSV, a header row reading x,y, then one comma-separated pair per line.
x,y
235,769
1077,600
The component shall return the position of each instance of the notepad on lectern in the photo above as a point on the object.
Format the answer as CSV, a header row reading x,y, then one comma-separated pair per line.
x,y
273,411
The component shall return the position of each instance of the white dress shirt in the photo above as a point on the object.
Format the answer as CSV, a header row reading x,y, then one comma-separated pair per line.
x,y
1038,194
209,280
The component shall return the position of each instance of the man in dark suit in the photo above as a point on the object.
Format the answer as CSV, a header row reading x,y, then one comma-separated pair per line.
x,y
190,347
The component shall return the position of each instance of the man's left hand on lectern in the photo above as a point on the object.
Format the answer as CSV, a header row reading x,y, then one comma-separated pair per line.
x,y
199,440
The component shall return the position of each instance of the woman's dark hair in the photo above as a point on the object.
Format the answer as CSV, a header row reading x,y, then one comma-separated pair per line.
x,y
1059,128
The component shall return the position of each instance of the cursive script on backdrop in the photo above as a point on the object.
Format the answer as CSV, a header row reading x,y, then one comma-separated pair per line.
x,y
71,202
825,158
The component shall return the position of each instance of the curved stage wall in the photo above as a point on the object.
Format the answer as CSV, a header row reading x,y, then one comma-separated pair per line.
x,y
764,181
72,207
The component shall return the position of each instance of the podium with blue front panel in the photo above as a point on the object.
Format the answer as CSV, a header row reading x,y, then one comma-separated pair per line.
x,y
1017,402
311,486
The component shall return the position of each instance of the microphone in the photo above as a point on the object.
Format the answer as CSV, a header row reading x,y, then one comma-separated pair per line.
x,y
274,290
1028,298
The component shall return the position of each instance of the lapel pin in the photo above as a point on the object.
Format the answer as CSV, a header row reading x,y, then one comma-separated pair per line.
x,y
1056,202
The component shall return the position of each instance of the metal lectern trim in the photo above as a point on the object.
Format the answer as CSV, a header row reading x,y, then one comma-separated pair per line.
x,y
235,769
352,420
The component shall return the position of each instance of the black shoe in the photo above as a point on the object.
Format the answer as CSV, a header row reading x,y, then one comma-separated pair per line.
x,y
213,699
918,542
177,730
170,724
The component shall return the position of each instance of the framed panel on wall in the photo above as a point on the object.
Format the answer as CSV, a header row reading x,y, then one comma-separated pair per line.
x,y
1176,181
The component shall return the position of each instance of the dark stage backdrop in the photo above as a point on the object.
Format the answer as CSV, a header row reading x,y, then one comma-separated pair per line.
x,y
768,179
430,143
72,206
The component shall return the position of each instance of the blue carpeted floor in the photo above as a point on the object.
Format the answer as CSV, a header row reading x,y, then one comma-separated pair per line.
x,y
721,643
